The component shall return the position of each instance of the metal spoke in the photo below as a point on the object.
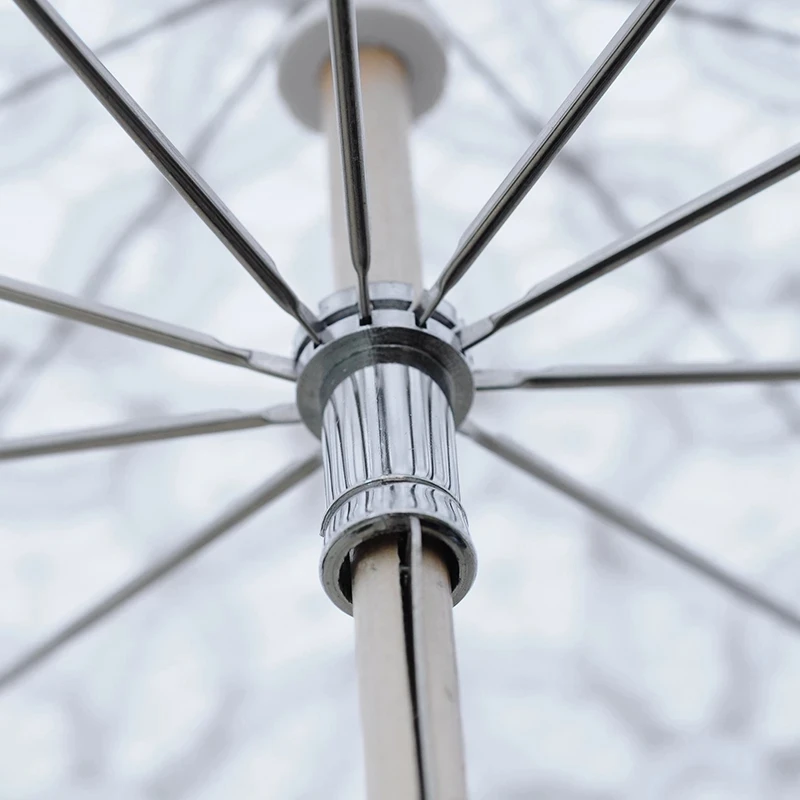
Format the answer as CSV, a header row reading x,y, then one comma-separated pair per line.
x,y
627,521
609,207
208,206
594,377
733,23
173,17
347,90
274,488
100,273
156,430
144,328
619,253
553,137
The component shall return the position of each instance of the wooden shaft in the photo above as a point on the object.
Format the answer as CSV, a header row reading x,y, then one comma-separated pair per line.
x,y
386,104
438,698
386,669
387,708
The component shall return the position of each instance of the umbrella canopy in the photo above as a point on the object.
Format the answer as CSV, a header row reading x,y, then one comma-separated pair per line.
x,y
591,667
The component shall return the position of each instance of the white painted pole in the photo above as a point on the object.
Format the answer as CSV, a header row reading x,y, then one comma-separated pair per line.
x,y
394,760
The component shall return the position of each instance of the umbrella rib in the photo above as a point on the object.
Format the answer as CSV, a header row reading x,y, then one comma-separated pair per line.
x,y
347,92
592,377
144,328
609,207
735,24
141,431
99,275
564,123
162,568
173,17
173,166
630,523
619,253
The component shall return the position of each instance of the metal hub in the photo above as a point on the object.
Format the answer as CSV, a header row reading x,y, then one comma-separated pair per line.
x,y
385,400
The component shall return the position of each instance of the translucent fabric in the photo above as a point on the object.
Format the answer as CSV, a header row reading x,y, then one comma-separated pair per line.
x,y
590,667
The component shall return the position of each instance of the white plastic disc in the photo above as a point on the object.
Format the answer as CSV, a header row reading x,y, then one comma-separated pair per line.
x,y
401,26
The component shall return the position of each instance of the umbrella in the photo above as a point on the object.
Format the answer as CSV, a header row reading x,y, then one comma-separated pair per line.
x,y
589,666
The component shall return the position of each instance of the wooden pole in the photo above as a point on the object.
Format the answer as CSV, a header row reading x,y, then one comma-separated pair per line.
x,y
387,707
393,220
405,650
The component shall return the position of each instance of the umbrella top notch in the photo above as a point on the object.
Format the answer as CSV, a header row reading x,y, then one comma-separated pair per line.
x,y
406,28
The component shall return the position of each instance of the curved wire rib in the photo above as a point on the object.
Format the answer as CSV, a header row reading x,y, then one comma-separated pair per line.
x,y
619,253
347,90
627,521
595,377
139,432
274,488
208,206
169,19
140,327
553,137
